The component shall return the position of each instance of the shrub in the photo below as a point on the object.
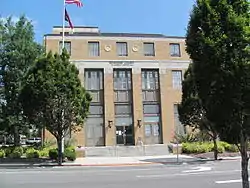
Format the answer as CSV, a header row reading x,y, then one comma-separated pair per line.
x,y
70,153
53,154
2,153
44,152
16,153
32,153
232,148
8,151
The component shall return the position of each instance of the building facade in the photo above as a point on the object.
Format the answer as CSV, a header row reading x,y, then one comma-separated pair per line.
x,y
135,81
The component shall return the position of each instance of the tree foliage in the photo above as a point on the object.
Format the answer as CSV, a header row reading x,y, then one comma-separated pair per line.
x,y
52,93
18,51
218,41
191,111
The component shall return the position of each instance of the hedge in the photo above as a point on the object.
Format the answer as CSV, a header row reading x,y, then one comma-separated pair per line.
x,y
199,147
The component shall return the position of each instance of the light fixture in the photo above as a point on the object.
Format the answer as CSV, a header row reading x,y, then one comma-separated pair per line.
x,y
110,123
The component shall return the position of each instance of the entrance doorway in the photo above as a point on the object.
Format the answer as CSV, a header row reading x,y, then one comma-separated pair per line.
x,y
152,133
124,135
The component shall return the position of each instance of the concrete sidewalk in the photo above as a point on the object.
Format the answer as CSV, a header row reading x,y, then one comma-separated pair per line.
x,y
131,161
119,161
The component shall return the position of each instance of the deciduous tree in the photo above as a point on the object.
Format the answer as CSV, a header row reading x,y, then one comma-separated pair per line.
x,y
52,94
18,51
218,41
191,111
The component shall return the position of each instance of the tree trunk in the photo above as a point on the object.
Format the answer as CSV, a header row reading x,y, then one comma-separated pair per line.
x,y
16,136
244,163
215,147
60,154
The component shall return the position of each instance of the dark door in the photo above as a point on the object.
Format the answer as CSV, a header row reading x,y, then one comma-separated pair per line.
x,y
124,135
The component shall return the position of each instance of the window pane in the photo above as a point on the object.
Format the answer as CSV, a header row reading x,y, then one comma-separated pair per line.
x,y
122,49
121,121
175,50
93,79
150,80
177,79
151,109
97,96
94,109
94,49
67,46
122,79
122,96
123,109
150,95
149,49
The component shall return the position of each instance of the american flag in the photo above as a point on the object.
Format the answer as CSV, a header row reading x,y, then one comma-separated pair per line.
x,y
77,2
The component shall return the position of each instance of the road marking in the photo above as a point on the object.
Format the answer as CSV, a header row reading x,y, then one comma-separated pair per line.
x,y
230,181
187,174
198,169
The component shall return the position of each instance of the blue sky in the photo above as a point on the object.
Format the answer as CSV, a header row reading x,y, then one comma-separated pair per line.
x,y
169,17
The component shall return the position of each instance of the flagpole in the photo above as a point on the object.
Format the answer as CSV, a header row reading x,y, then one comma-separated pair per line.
x,y
63,24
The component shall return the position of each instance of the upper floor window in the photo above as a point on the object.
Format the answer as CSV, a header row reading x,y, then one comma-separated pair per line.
x,y
67,46
149,49
122,48
93,80
177,79
175,50
150,80
122,79
94,49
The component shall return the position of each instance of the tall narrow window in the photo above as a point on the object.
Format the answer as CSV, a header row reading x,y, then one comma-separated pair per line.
x,y
122,48
94,125
67,46
94,49
179,127
177,79
175,50
123,107
151,106
149,49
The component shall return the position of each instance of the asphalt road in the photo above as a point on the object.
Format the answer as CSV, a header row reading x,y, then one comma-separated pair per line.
x,y
223,174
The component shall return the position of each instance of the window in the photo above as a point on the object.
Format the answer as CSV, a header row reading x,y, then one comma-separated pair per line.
x,y
122,79
150,96
93,79
97,96
149,49
177,79
121,109
179,128
94,49
67,46
96,109
150,80
151,109
175,50
122,96
122,48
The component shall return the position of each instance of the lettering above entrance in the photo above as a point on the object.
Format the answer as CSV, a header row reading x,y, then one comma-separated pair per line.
x,y
122,63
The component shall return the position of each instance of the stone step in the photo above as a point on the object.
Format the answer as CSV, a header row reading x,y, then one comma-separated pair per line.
x,y
127,151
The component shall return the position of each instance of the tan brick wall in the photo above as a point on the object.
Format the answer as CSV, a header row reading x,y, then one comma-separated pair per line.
x,y
79,49
109,109
169,97
137,106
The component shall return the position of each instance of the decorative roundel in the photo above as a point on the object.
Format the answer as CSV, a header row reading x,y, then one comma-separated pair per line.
x,y
135,49
107,48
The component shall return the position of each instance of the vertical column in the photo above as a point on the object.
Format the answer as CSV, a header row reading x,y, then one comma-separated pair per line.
x,y
167,117
137,105
110,137
80,135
